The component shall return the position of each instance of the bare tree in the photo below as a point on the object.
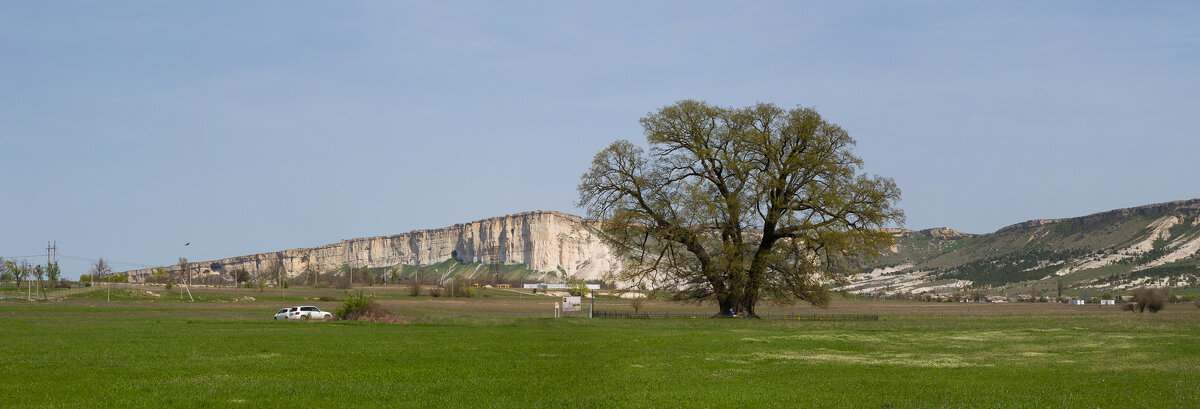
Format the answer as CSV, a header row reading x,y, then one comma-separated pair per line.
x,y
185,274
636,304
276,272
240,275
39,272
101,269
310,271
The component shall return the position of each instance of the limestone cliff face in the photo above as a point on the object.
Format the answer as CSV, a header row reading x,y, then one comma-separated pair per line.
x,y
556,243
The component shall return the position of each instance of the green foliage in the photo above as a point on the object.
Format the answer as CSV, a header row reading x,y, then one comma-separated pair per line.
x,y
159,275
53,272
356,305
679,212
1029,264
1151,299
577,288
460,287
450,268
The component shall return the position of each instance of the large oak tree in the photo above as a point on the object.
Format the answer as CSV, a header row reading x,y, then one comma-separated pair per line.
x,y
739,204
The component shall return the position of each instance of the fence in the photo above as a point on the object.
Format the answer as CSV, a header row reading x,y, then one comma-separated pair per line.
x,y
66,293
768,316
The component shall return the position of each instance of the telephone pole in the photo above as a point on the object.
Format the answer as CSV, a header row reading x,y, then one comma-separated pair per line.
x,y
51,253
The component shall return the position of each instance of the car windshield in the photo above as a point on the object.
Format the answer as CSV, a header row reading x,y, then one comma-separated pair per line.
x,y
282,310
291,309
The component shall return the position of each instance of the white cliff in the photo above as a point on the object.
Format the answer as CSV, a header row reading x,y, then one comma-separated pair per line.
x,y
546,241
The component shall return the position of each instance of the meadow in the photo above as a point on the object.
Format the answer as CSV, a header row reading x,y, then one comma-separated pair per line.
x,y
146,350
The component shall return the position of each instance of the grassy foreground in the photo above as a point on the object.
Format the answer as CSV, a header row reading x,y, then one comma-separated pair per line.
x,y
178,355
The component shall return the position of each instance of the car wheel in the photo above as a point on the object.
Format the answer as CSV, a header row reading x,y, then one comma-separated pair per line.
x,y
276,318
328,317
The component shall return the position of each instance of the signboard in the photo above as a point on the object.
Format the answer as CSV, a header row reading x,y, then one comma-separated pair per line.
x,y
571,304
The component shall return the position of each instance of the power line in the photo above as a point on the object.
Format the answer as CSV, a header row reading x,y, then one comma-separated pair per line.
x,y
35,255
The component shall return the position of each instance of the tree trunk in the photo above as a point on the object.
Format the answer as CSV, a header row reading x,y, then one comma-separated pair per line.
x,y
724,306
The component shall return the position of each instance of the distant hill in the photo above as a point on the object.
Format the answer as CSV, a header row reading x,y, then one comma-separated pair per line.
x,y
1153,245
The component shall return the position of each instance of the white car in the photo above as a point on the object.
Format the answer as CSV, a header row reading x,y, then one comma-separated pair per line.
x,y
303,312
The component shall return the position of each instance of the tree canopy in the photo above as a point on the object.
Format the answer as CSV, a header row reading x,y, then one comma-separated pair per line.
x,y
738,204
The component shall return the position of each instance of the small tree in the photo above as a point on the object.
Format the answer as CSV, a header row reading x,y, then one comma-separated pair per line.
x,y
364,275
16,271
636,304
394,274
39,272
1149,299
185,273
5,275
101,268
577,289
53,272
276,272
310,274
160,275
414,285
240,275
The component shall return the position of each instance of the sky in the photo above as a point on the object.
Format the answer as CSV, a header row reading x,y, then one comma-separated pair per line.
x,y
128,129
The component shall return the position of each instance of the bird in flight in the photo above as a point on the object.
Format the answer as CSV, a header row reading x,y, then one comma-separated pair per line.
x,y
188,243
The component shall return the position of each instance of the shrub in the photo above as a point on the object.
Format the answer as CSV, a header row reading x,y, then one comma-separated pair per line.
x,y
321,284
1196,303
355,304
360,307
460,287
435,292
413,288
577,288
1130,307
1149,299
326,298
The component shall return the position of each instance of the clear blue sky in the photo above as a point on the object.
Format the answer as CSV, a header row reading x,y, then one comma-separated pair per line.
x,y
129,129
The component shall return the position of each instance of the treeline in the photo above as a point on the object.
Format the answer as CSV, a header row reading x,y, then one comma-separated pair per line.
x,y
1012,267
37,276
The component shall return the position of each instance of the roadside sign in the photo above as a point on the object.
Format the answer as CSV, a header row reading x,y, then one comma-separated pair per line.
x,y
572,304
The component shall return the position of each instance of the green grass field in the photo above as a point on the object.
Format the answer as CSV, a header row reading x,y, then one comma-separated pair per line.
x,y
224,353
